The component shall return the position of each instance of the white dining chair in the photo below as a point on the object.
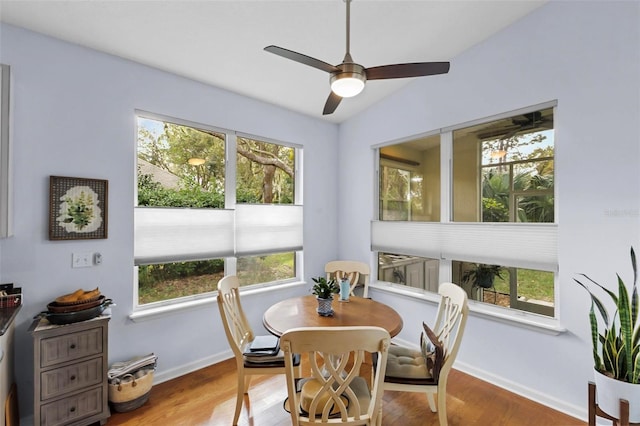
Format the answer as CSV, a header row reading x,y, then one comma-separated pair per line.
x,y
335,392
353,270
240,334
427,370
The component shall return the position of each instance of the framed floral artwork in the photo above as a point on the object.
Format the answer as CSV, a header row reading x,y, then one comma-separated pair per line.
x,y
77,208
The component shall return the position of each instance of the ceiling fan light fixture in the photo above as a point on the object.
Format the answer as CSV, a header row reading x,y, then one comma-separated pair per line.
x,y
349,81
346,86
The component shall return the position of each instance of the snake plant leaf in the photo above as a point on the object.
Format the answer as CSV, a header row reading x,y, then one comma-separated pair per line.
x,y
606,290
635,302
598,303
594,338
635,267
626,330
610,353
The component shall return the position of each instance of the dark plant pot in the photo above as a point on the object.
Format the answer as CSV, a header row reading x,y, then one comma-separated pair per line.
x,y
485,280
324,307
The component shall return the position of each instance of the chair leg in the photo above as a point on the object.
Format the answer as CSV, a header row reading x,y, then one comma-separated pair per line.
x,y
239,397
442,407
432,404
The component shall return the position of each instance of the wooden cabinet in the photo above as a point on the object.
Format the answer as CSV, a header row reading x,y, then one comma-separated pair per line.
x,y
70,372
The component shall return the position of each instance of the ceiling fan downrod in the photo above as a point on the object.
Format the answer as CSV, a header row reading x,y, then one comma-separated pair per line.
x,y
350,80
348,52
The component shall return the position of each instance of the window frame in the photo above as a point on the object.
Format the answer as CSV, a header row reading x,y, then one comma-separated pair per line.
x,y
143,311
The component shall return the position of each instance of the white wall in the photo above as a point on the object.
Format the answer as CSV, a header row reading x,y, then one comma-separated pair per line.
x,y
587,56
74,116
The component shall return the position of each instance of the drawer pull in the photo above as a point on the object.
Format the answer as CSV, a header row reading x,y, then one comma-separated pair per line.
x,y
73,346
72,378
72,409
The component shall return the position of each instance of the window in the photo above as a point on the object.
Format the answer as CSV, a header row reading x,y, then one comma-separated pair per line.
x,y
199,209
497,209
524,289
503,170
410,180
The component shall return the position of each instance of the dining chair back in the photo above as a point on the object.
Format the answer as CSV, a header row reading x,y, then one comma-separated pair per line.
x,y
240,335
335,392
353,270
427,370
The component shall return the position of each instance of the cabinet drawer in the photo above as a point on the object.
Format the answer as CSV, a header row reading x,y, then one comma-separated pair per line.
x,y
71,378
69,347
73,408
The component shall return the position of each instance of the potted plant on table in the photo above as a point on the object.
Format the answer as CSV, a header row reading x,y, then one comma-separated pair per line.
x,y
616,347
324,290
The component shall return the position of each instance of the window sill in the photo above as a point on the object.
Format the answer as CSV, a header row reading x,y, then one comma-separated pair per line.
x,y
150,313
513,317
516,317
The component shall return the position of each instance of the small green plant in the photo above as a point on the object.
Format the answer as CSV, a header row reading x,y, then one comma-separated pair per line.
x,y
323,288
616,351
481,275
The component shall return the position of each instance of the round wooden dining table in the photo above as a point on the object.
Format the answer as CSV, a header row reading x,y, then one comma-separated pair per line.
x,y
301,312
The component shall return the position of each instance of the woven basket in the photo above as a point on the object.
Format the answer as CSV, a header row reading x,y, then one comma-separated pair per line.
x,y
123,407
131,390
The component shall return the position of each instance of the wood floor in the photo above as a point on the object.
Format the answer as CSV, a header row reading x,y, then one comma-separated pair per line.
x,y
207,398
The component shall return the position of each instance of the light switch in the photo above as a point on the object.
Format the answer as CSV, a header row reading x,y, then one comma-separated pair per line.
x,y
82,260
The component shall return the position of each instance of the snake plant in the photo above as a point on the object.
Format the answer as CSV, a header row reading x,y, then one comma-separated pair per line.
x,y
616,349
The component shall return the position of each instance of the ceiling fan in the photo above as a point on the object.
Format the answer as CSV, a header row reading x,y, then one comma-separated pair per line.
x,y
348,78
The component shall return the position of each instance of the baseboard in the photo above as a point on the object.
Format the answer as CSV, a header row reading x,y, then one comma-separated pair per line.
x,y
579,412
166,375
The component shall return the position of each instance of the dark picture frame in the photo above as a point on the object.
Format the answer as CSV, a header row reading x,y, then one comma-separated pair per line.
x,y
77,208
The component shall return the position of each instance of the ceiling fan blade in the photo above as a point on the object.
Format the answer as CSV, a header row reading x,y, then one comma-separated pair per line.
x,y
303,59
332,103
418,69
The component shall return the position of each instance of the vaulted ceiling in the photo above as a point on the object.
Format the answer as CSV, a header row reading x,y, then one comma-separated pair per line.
x,y
221,42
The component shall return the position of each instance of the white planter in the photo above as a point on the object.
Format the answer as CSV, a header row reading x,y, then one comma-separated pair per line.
x,y
610,391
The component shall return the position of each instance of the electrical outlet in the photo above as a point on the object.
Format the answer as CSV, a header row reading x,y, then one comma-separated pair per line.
x,y
82,260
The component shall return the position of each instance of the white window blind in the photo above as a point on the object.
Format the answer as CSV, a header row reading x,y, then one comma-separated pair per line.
x,y
417,238
523,245
164,235
267,228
